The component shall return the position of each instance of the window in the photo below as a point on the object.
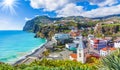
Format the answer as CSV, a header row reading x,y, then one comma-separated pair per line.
x,y
79,54
79,50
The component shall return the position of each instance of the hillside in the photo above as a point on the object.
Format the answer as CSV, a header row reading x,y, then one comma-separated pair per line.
x,y
44,25
34,24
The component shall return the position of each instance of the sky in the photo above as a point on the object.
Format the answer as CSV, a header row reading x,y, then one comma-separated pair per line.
x,y
14,13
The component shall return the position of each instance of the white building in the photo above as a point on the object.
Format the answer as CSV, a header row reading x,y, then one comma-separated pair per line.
x,y
69,45
98,43
107,50
90,36
81,52
117,44
60,36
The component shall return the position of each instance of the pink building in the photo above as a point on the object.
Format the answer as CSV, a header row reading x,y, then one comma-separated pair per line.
x,y
98,43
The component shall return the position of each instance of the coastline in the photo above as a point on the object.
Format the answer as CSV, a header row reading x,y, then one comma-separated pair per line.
x,y
35,53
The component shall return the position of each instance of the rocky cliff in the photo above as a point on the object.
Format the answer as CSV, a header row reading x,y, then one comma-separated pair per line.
x,y
34,24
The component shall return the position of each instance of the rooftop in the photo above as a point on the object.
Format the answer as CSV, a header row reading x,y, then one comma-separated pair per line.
x,y
74,34
73,55
108,48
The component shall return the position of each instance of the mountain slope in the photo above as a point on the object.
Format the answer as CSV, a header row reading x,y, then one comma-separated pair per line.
x,y
33,24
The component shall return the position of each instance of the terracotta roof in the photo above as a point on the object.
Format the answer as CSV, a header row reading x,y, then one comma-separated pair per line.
x,y
112,49
92,55
104,49
73,55
74,34
108,48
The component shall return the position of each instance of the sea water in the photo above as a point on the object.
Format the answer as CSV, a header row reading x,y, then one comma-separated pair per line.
x,y
16,44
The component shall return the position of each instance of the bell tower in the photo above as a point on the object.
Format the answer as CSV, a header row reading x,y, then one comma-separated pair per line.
x,y
81,52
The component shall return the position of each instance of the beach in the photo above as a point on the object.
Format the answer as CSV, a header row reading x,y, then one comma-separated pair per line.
x,y
35,55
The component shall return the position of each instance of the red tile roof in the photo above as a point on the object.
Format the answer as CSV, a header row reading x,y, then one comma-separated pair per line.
x,y
73,55
74,34
112,49
108,48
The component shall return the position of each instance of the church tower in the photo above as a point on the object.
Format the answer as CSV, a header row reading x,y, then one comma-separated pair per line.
x,y
81,52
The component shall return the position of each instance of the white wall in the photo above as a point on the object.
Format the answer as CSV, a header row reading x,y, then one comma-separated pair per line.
x,y
70,45
117,44
103,53
71,58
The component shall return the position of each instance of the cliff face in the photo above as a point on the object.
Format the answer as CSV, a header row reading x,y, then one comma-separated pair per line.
x,y
29,26
34,24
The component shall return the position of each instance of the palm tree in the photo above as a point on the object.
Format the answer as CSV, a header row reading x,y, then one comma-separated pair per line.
x,y
112,61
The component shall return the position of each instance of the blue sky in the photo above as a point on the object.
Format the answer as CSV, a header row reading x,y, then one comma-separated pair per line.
x,y
23,10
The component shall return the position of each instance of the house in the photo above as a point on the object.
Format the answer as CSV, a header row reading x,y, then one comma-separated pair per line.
x,y
90,36
71,46
117,44
107,50
74,32
77,39
98,43
73,56
60,37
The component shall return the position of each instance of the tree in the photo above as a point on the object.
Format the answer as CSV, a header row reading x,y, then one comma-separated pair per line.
x,y
46,53
112,61
50,34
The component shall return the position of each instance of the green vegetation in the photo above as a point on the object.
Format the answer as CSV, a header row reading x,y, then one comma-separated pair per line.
x,y
46,53
112,61
6,67
87,24
116,24
49,30
57,65
50,65
58,48
109,29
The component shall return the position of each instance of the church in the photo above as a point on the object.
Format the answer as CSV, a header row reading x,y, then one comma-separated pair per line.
x,y
80,55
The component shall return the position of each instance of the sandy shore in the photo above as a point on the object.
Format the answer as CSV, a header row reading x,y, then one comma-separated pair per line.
x,y
37,53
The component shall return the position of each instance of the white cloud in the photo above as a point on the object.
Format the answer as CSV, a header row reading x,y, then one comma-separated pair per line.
x,y
64,8
70,10
51,5
48,5
73,10
103,11
103,3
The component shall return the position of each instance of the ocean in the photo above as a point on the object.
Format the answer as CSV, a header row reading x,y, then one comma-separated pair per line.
x,y
14,45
